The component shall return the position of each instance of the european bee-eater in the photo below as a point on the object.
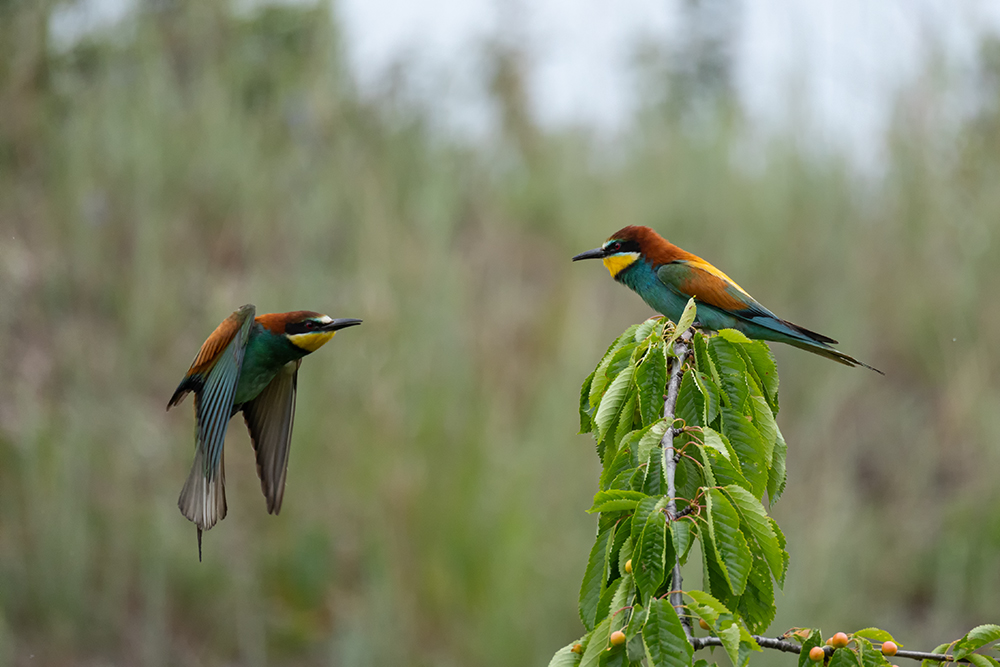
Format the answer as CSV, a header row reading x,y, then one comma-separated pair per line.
x,y
666,277
248,364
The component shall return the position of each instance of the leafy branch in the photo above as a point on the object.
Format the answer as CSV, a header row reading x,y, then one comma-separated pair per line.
x,y
687,459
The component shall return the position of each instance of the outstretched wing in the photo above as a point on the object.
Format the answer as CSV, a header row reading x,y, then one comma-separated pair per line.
x,y
211,350
213,377
269,418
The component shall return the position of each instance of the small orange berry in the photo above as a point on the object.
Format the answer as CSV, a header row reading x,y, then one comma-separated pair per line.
x,y
617,638
628,566
816,653
839,640
703,625
577,648
829,641
889,648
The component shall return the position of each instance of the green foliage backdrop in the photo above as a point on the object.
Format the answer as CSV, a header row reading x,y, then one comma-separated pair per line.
x,y
155,177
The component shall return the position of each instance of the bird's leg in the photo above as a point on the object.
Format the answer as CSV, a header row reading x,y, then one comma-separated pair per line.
x,y
199,544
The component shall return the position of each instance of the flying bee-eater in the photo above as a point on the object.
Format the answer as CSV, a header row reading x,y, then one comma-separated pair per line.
x,y
248,364
666,277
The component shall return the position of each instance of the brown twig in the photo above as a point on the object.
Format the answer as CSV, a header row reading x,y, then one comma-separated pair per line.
x,y
791,647
667,445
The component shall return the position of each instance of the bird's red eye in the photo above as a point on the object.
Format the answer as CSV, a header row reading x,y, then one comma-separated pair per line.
x,y
616,246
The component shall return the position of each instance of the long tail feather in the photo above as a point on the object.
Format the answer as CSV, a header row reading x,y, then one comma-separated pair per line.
x,y
831,353
203,498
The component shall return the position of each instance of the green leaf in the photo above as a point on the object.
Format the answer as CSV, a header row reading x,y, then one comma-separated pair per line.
x,y
598,642
734,336
680,533
612,401
844,657
981,660
689,476
690,407
714,579
756,519
615,467
814,639
609,369
623,530
586,411
713,396
724,471
703,360
604,606
731,546
626,417
648,328
713,440
756,605
601,379
746,649
654,482
650,439
975,639
643,511
648,565
620,600
614,500
776,475
666,644
784,550
750,449
939,650
625,553
634,646
594,578
875,635
719,618
870,656
766,426
685,321
651,379
732,372
767,371
565,657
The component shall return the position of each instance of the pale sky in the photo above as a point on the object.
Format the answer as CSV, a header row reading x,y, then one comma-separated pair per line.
x,y
835,62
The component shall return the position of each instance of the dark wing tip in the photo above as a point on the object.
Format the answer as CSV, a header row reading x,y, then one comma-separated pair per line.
x,y
818,337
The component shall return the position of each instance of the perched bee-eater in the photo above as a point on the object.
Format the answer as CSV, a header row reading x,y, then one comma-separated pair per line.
x,y
248,364
666,277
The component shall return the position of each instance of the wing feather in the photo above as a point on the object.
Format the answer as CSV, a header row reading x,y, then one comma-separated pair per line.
x,y
210,351
709,285
269,418
203,499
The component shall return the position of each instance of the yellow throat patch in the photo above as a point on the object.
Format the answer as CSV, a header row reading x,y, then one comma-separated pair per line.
x,y
615,264
310,342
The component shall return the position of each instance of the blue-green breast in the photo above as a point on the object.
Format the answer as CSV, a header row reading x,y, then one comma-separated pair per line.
x,y
265,354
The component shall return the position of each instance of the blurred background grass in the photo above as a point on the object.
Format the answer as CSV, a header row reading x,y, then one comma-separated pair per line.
x,y
156,176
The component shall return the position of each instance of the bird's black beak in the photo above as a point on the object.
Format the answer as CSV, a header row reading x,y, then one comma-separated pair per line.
x,y
596,253
342,323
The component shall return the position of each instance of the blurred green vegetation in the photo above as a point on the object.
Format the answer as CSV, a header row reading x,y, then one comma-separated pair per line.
x,y
155,177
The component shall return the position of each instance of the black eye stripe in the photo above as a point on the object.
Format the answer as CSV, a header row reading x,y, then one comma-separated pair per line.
x,y
623,246
301,327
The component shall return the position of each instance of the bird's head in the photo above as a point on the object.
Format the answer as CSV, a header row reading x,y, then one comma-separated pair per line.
x,y
304,328
622,249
